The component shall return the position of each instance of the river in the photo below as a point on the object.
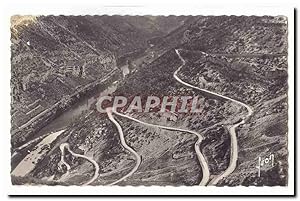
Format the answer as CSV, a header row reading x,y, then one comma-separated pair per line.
x,y
48,132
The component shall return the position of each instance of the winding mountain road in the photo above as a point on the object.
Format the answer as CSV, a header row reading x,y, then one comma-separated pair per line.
x,y
233,154
204,165
249,109
232,129
109,112
200,156
64,146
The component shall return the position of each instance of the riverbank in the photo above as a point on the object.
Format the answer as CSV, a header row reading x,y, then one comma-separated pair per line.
x,y
30,128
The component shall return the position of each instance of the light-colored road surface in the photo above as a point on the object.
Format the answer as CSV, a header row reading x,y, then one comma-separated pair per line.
x,y
234,144
200,156
64,146
233,154
249,109
109,112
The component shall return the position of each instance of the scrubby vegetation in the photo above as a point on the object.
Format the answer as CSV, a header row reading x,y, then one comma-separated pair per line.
x,y
244,58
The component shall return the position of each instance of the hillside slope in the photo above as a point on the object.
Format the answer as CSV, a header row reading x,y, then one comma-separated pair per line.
x,y
240,57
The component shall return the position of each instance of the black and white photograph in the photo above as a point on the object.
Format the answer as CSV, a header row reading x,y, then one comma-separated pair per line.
x,y
150,100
